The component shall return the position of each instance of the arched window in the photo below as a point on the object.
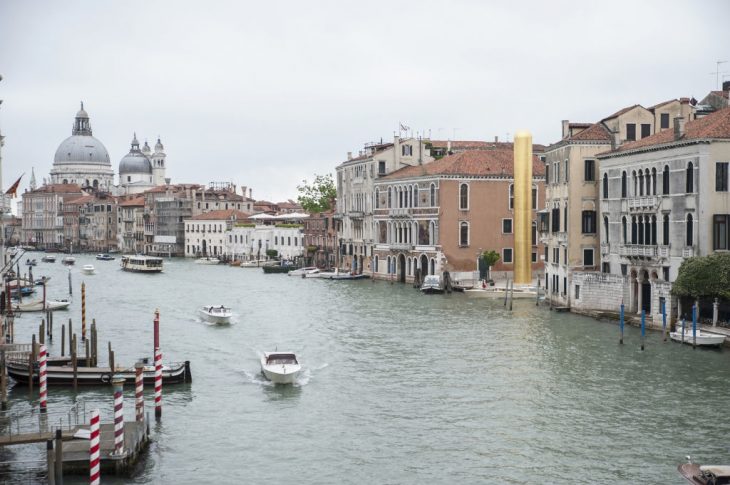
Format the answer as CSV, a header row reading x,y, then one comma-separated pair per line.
x,y
624,185
690,239
641,229
605,229
433,195
463,197
635,182
634,230
432,233
390,198
641,182
377,198
665,180
690,180
653,230
605,186
653,181
387,270
665,230
464,234
511,196
65,181
623,228
647,180
415,196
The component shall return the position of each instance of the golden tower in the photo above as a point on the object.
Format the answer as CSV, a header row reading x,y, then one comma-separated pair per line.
x,y
523,208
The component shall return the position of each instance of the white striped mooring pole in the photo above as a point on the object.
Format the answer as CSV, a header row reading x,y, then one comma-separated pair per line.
x,y
138,392
94,468
118,383
158,383
43,358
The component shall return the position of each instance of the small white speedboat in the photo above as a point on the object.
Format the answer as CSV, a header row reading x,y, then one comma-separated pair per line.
x,y
280,367
304,271
69,260
208,260
37,306
218,314
88,269
705,339
49,258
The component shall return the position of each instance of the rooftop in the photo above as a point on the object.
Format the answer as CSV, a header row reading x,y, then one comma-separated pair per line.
x,y
222,215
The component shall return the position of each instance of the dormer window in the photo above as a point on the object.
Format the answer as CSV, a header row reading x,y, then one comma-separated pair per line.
x,y
406,150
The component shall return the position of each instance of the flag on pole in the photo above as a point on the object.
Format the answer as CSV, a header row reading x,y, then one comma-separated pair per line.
x,y
13,190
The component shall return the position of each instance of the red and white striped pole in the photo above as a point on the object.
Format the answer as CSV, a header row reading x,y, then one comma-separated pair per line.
x,y
156,331
158,383
94,469
42,376
118,383
138,391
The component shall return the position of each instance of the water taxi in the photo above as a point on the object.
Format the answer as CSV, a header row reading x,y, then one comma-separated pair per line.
x,y
218,314
142,264
280,367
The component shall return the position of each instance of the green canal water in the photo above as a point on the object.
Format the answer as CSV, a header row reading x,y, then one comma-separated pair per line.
x,y
398,387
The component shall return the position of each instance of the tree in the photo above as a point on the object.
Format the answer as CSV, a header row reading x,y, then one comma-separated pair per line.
x,y
487,259
317,196
706,276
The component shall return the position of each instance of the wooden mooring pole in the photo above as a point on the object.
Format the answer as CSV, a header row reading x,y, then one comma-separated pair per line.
x,y
74,362
664,320
3,383
621,324
643,328
50,462
694,326
58,468
63,340
31,361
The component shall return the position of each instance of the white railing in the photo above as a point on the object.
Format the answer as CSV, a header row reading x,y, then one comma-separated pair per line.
x,y
637,250
688,252
663,251
644,202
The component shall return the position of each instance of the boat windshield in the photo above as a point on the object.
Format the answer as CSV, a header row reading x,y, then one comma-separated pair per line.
x,y
275,359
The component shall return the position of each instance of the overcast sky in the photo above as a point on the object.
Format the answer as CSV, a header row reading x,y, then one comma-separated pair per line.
x,y
265,94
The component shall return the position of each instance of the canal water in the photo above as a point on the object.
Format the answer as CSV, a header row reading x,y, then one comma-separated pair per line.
x,y
398,387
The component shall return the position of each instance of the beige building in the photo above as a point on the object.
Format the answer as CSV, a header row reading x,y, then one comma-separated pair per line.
x,y
43,221
443,215
131,225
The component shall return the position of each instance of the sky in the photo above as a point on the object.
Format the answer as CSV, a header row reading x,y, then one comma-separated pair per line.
x,y
266,94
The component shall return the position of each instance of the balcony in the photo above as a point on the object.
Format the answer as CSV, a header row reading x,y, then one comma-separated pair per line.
x,y
605,248
663,251
688,252
400,212
637,251
647,202
401,247
356,214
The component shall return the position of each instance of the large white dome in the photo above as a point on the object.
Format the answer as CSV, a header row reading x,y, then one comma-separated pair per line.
x,y
81,149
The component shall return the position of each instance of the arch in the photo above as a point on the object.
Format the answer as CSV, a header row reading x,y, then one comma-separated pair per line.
x,y
653,230
689,231
690,178
641,182
464,196
390,197
605,185
624,185
641,229
408,266
647,181
387,269
431,233
65,181
401,268
635,183
204,251
423,263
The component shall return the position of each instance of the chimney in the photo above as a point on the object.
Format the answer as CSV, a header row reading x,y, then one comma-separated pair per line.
x,y
496,139
243,190
349,155
448,146
250,193
678,127
566,128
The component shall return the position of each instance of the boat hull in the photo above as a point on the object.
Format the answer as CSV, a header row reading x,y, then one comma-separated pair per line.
x,y
97,376
281,374
703,338
223,319
432,291
37,306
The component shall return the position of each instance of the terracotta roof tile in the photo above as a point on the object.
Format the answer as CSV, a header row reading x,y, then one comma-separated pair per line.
x,y
595,132
481,145
621,111
136,202
468,163
715,125
59,188
221,215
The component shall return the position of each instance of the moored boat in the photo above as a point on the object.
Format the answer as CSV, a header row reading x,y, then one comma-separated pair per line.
x,y
104,257
207,260
173,373
216,314
48,258
88,269
704,474
304,271
704,339
432,285
38,306
69,260
256,263
142,264
280,367
279,268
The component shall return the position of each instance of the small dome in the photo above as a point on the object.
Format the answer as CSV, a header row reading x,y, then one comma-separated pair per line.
x,y
82,113
135,162
158,145
146,148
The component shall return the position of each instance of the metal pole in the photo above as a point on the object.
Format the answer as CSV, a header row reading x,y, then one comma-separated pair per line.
x,y
83,311
694,326
3,382
49,462
664,320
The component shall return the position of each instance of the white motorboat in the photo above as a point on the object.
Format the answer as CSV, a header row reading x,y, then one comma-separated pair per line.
x,y
337,275
142,264
69,260
257,263
88,269
37,306
705,339
49,258
304,271
216,314
432,285
280,367
104,257
208,260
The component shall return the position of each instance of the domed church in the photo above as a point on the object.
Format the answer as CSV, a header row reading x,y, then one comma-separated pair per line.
x,y
140,170
82,159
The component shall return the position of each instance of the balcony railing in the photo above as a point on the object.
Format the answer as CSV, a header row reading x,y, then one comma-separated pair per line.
x,y
663,251
401,246
688,252
643,202
637,250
